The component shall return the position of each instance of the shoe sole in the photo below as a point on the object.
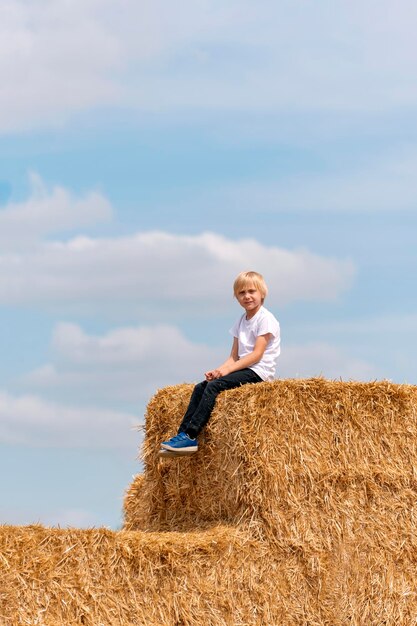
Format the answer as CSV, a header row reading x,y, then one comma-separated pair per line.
x,y
166,452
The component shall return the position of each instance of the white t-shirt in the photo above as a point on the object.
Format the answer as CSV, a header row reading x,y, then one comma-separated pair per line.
x,y
247,331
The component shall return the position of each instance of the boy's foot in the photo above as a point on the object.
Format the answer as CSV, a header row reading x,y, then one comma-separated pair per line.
x,y
181,443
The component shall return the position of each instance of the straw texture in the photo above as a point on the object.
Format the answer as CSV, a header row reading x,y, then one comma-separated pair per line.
x,y
55,577
298,509
323,473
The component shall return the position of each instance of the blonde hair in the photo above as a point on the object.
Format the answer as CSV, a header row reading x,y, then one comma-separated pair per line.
x,y
256,279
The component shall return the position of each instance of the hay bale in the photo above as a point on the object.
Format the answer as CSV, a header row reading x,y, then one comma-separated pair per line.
x,y
299,509
322,472
54,577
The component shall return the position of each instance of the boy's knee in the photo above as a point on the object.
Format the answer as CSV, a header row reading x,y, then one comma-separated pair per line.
x,y
201,386
214,385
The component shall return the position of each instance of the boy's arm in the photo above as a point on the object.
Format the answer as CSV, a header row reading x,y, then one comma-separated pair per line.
x,y
234,364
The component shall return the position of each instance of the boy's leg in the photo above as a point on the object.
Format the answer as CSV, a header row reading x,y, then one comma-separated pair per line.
x,y
199,410
181,443
195,399
201,415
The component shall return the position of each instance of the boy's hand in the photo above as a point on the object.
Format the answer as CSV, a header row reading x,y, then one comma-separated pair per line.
x,y
217,373
213,374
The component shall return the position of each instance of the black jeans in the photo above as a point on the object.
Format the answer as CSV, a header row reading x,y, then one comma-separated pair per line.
x,y
204,397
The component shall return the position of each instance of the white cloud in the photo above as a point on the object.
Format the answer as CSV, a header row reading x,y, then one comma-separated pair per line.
x,y
126,365
61,57
283,56
156,274
57,57
123,367
323,359
45,212
148,272
31,420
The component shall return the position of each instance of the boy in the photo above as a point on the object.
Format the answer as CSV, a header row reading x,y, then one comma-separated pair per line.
x,y
255,349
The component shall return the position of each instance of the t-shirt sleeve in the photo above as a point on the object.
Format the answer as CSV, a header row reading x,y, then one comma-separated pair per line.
x,y
268,324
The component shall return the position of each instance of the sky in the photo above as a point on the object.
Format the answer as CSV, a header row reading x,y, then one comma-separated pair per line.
x,y
151,151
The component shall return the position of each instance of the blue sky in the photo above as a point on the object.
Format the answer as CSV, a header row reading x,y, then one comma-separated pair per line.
x,y
148,153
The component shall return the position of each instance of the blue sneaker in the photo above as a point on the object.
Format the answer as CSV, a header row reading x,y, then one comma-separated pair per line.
x,y
181,444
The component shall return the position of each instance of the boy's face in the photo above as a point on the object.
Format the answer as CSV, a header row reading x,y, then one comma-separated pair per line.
x,y
250,298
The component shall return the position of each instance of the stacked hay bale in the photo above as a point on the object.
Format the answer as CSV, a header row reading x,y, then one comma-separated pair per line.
x,y
298,509
54,577
323,473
